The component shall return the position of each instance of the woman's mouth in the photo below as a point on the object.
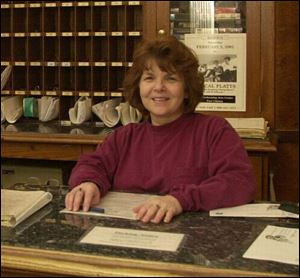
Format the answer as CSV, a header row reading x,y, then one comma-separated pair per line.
x,y
160,99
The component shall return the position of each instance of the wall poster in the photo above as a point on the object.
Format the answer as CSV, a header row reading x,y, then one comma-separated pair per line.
x,y
222,59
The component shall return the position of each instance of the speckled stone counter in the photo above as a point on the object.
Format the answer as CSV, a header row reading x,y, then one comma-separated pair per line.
x,y
215,243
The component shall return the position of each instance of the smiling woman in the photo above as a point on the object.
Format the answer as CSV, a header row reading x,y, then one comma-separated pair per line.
x,y
162,94
175,60
190,161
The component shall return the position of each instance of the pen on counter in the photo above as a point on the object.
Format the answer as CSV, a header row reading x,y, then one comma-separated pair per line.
x,y
92,209
100,210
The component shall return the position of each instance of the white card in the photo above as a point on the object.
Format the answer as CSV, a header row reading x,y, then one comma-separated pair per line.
x,y
133,238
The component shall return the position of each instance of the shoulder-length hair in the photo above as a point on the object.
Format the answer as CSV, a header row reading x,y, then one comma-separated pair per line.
x,y
171,55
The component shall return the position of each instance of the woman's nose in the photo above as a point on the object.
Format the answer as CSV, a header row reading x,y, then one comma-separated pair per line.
x,y
159,84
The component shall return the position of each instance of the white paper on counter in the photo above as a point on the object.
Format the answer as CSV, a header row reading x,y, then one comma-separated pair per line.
x,y
276,244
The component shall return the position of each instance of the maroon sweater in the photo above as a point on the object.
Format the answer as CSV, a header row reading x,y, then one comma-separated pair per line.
x,y
198,159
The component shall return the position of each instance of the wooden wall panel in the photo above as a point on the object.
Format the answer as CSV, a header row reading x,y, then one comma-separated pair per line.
x,y
287,65
285,162
286,172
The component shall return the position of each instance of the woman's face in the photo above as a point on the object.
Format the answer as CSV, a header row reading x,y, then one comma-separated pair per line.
x,y
162,94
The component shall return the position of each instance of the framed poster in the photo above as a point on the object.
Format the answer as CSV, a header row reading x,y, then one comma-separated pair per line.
x,y
222,60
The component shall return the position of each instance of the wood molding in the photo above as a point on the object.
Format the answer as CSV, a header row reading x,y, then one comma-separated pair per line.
x,y
71,264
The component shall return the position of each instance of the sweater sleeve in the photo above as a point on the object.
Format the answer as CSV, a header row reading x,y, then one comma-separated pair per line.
x,y
97,167
230,180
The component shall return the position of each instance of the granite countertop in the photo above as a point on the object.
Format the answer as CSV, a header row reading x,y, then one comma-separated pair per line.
x,y
209,241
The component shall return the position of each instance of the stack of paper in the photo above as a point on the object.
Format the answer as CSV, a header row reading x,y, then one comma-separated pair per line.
x,y
11,108
5,76
16,205
116,204
113,111
82,111
107,112
250,127
253,210
128,113
48,108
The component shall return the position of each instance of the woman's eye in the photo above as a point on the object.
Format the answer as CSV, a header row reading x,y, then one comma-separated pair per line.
x,y
148,77
171,78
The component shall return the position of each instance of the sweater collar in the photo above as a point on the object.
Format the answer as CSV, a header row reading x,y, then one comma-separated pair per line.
x,y
174,125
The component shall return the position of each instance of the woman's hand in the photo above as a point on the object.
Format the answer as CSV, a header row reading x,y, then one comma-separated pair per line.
x,y
85,194
158,208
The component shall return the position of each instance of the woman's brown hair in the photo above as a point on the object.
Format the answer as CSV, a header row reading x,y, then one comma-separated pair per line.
x,y
171,55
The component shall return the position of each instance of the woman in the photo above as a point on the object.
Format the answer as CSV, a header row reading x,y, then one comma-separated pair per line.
x,y
192,161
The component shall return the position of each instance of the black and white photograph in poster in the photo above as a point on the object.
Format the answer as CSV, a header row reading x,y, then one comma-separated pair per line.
x,y
222,60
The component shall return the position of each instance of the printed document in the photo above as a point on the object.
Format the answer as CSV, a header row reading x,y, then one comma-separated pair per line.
x,y
133,238
253,210
16,205
276,244
116,204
